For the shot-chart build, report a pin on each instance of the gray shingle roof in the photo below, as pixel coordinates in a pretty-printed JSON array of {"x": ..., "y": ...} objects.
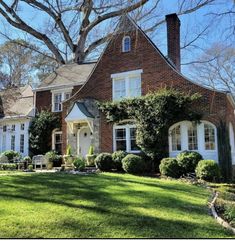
[
  {"x": 69, "y": 74},
  {"x": 16, "y": 101}
]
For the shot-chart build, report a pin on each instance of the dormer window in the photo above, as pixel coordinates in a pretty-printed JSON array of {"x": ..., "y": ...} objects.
[
  {"x": 58, "y": 97},
  {"x": 126, "y": 44}
]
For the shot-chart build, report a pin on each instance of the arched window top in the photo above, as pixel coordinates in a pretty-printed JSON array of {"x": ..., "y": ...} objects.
[{"x": 126, "y": 44}]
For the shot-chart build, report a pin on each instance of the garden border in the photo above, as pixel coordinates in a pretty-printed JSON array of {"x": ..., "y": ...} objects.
[{"x": 217, "y": 217}]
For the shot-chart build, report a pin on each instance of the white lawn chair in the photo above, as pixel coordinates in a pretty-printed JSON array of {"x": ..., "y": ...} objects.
[{"x": 39, "y": 160}]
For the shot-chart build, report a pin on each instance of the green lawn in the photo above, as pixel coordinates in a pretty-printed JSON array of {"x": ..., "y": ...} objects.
[{"x": 103, "y": 206}]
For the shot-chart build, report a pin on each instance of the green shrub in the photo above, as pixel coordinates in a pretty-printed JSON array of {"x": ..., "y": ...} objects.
[
  {"x": 30, "y": 167},
  {"x": 3, "y": 158},
  {"x": 229, "y": 212},
  {"x": 12, "y": 155},
  {"x": 104, "y": 161},
  {"x": 133, "y": 164},
  {"x": 79, "y": 164},
  {"x": 169, "y": 167},
  {"x": 8, "y": 166},
  {"x": 27, "y": 159},
  {"x": 208, "y": 170},
  {"x": 188, "y": 161},
  {"x": 117, "y": 157}
]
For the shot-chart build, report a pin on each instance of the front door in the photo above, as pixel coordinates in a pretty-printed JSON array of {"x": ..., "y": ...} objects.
[{"x": 84, "y": 141}]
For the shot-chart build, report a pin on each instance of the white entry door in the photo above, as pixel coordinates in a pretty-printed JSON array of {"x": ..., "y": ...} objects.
[{"x": 84, "y": 141}]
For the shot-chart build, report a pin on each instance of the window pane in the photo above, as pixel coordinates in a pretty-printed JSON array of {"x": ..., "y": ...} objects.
[
  {"x": 120, "y": 138},
  {"x": 119, "y": 89},
  {"x": 22, "y": 126},
  {"x": 57, "y": 102},
  {"x": 127, "y": 44},
  {"x": 13, "y": 142},
  {"x": 176, "y": 139},
  {"x": 22, "y": 143},
  {"x": 209, "y": 137},
  {"x": 4, "y": 128},
  {"x": 67, "y": 95},
  {"x": 13, "y": 127},
  {"x": 192, "y": 138},
  {"x": 134, "y": 146},
  {"x": 4, "y": 142},
  {"x": 135, "y": 86}
]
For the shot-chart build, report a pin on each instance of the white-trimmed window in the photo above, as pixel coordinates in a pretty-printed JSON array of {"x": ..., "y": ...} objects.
[
  {"x": 3, "y": 142},
  {"x": 22, "y": 143},
  {"x": 13, "y": 138},
  {"x": 125, "y": 138},
  {"x": 4, "y": 128},
  {"x": 57, "y": 141},
  {"x": 13, "y": 127},
  {"x": 176, "y": 138},
  {"x": 127, "y": 84},
  {"x": 209, "y": 133},
  {"x": 126, "y": 44},
  {"x": 58, "y": 97},
  {"x": 192, "y": 138},
  {"x": 22, "y": 126}
]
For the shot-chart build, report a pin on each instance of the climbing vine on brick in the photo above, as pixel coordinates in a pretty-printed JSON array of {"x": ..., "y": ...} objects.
[{"x": 153, "y": 114}]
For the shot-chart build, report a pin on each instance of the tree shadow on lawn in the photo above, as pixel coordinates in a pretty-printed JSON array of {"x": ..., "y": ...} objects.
[{"x": 114, "y": 212}]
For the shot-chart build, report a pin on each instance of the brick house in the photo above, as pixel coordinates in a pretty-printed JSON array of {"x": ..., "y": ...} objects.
[{"x": 131, "y": 65}]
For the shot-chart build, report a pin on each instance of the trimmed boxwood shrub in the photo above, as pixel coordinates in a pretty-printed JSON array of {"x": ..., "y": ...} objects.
[
  {"x": 208, "y": 170},
  {"x": 117, "y": 157},
  {"x": 188, "y": 161},
  {"x": 169, "y": 167},
  {"x": 104, "y": 161},
  {"x": 133, "y": 164},
  {"x": 11, "y": 155},
  {"x": 8, "y": 166},
  {"x": 79, "y": 164}
]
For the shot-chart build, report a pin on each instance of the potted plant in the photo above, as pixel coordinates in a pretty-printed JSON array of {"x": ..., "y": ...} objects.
[
  {"x": 90, "y": 157},
  {"x": 51, "y": 156},
  {"x": 68, "y": 158}
]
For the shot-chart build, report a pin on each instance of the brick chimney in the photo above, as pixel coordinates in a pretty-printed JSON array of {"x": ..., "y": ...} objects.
[{"x": 173, "y": 39}]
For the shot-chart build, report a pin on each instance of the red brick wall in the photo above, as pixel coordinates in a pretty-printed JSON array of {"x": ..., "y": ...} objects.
[{"x": 157, "y": 73}]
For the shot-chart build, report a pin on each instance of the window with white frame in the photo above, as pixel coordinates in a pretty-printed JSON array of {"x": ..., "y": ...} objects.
[
  {"x": 126, "y": 44},
  {"x": 3, "y": 142},
  {"x": 58, "y": 98},
  {"x": 125, "y": 138},
  {"x": 13, "y": 127},
  {"x": 4, "y": 128},
  {"x": 127, "y": 84},
  {"x": 176, "y": 138},
  {"x": 57, "y": 141},
  {"x": 22, "y": 126},
  {"x": 209, "y": 133},
  {"x": 22, "y": 143},
  {"x": 13, "y": 138},
  {"x": 192, "y": 138}
]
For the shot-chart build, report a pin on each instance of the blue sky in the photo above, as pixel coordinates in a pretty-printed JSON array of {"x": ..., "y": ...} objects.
[{"x": 191, "y": 24}]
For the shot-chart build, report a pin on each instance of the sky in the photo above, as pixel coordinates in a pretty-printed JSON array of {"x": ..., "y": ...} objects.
[{"x": 191, "y": 24}]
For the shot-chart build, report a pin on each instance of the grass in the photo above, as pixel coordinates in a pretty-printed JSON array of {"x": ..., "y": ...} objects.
[{"x": 103, "y": 206}]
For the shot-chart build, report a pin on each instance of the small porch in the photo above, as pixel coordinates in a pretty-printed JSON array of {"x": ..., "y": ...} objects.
[{"x": 82, "y": 128}]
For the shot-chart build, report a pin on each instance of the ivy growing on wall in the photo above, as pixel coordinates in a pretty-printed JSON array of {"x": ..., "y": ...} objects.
[
  {"x": 153, "y": 114},
  {"x": 40, "y": 132},
  {"x": 225, "y": 160}
]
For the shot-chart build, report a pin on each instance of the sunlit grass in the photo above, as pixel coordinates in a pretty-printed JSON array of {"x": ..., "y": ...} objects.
[{"x": 103, "y": 206}]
